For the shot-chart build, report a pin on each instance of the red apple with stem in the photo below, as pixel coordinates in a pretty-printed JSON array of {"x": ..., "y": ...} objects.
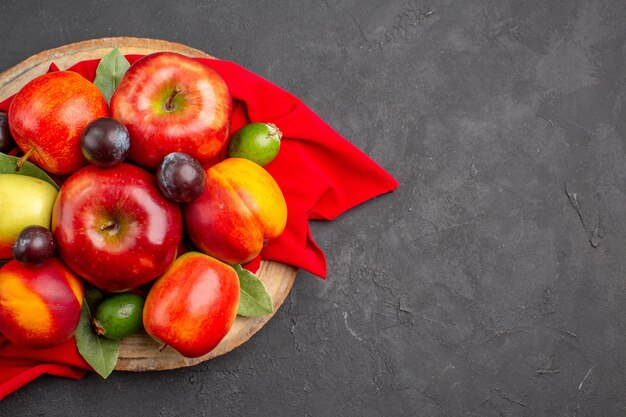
[
  {"x": 172, "y": 103},
  {"x": 47, "y": 116},
  {"x": 114, "y": 228}
]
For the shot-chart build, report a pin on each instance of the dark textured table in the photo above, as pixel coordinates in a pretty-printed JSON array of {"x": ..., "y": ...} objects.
[{"x": 492, "y": 282}]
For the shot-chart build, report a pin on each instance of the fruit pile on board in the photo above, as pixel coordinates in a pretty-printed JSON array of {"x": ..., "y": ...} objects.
[{"x": 157, "y": 208}]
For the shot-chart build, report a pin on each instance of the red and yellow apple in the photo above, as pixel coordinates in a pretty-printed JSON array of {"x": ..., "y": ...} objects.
[
  {"x": 39, "y": 306},
  {"x": 47, "y": 116},
  {"x": 24, "y": 201},
  {"x": 114, "y": 228},
  {"x": 193, "y": 305},
  {"x": 172, "y": 103},
  {"x": 240, "y": 209}
]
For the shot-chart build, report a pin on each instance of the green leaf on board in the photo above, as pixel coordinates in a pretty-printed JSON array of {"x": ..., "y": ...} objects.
[
  {"x": 254, "y": 300},
  {"x": 99, "y": 352},
  {"x": 8, "y": 165},
  {"x": 110, "y": 71},
  {"x": 93, "y": 296}
]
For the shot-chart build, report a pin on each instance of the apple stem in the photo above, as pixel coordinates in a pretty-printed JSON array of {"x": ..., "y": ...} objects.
[
  {"x": 23, "y": 159},
  {"x": 169, "y": 104},
  {"x": 110, "y": 225},
  {"x": 162, "y": 347}
]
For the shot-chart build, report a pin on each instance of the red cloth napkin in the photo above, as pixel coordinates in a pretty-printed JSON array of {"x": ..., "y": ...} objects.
[{"x": 320, "y": 173}]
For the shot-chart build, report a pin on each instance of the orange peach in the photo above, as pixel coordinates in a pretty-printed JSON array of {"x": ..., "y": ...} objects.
[
  {"x": 39, "y": 306},
  {"x": 241, "y": 208}
]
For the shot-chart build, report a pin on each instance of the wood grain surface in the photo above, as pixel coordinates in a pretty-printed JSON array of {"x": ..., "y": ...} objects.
[{"x": 140, "y": 352}]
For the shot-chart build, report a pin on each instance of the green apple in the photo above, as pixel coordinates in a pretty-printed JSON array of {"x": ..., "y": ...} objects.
[{"x": 24, "y": 201}]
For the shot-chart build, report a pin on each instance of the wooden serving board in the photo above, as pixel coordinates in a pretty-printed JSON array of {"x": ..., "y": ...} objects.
[{"x": 140, "y": 352}]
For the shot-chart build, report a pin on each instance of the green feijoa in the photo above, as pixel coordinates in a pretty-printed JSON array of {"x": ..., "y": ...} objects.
[
  {"x": 119, "y": 316},
  {"x": 258, "y": 142}
]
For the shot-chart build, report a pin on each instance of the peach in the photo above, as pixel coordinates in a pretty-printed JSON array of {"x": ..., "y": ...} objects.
[
  {"x": 241, "y": 208},
  {"x": 39, "y": 306},
  {"x": 193, "y": 305}
]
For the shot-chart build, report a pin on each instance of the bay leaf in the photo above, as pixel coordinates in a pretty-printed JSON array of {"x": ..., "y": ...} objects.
[
  {"x": 93, "y": 296},
  {"x": 254, "y": 300},
  {"x": 99, "y": 352},
  {"x": 8, "y": 165},
  {"x": 110, "y": 71}
]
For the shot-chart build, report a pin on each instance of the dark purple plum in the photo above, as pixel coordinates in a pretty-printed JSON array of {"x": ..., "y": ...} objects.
[
  {"x": 105, "y": 142},
  {"x": 6, "y": 139},
  {"x": 33, "y": 246},
  {"x": 180, "y": 177}
]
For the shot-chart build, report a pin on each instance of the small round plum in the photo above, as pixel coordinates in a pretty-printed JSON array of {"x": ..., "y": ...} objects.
[
  {"x": 105, "y": 142},
  {"x": 33, "y": 246},
  {"x": 180, "y": 177},
  {"x": 6, "y": 139}
]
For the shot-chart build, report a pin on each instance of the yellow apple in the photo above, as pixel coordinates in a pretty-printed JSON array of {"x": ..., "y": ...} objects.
[{"x": 24, "y": 201}]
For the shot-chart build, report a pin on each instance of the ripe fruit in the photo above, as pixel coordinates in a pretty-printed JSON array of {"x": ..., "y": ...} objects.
[
  {"x": 172, "y": 103},
  {"x": 39, "y": 306},
  {"x": 6, "y": 140},
  {"x": 180, "y": 177},
  {"x": 24, "y": 201},
  {"x": 105, "y": 142},
  {"x": 193, "y": 305},
  {"x": 241, "y": 207},
  {"x": 119, "y": 316},
  {"x": 47, "y": 116},
  {"x": 114, "y": 228},
  {"x": 33, "y": 246},
  {"x": 258, "y": 142}
]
